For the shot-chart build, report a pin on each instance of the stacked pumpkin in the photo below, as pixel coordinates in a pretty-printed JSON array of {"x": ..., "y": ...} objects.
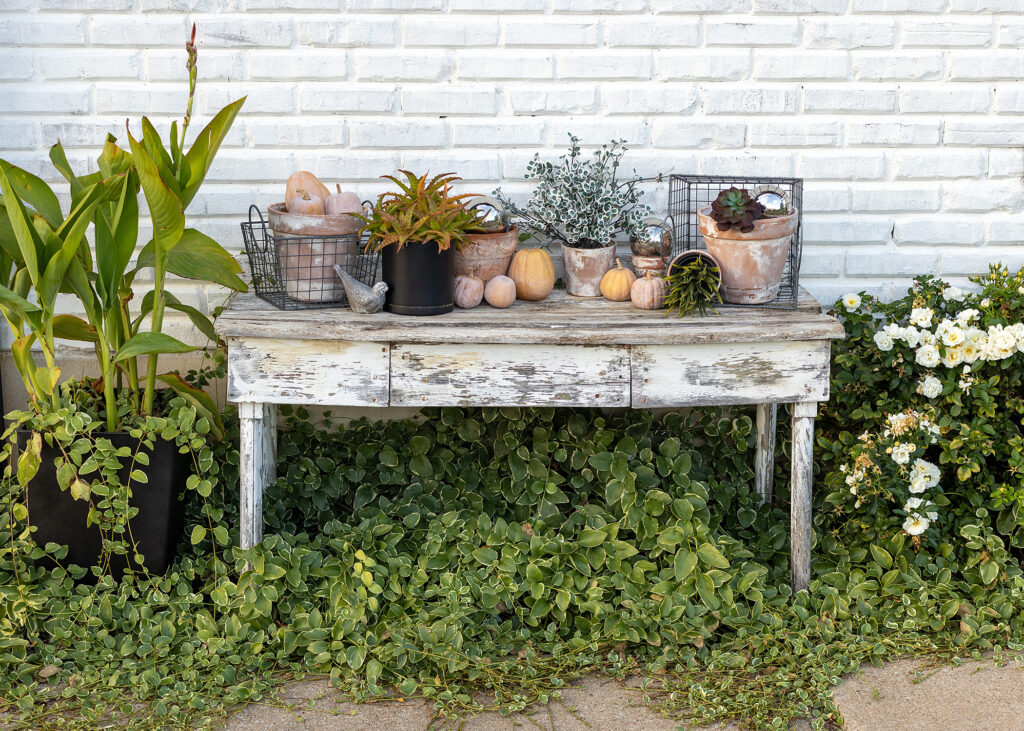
[
  {"x": 531, "y": 277},
  {"x": 305, "y": 195},
  {"x": 620, "y": 284}
]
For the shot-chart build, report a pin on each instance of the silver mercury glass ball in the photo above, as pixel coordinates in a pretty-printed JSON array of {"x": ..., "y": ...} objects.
[
  {"x": 655, "y": 238},
  {"x": 491, "y": 212}
]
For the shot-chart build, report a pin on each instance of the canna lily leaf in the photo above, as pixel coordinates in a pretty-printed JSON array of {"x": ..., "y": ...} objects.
[
  {"x": 197, "y": 256},
  {"x": 35, "y": 192},
  {"x": 200, "y": 155},
  {"x": 150, "y": 343},
  {"x": 69, "y": 327},
  {"x": 29, "y": 245},
  {"x": 164, "y": 207}
]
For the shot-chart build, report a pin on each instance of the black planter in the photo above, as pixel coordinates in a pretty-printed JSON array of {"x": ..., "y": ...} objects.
[
  {"x": 420, "y": 279},
  {"x": 61, "y": 519}
]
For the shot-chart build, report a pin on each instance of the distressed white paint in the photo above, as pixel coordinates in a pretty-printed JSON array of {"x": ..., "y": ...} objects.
[
  {"x": 731, "y": 373},
  {"x": 800, "y": 526},
  {"x": 509, "y": 375},
  {"x": 764, "y": 456},
  {"x": 257, "y": 466},
  {"x": 329, "y": 373}
]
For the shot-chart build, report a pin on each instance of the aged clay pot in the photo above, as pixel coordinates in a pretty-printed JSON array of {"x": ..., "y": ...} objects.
[
  {"x": 297, "y": 224},
  {"x": 653, "y": 264},
  {"x": 752, "y": 263},
  {"x": 686, "y": 257},
  {"x": 487, "y": 255},
  {"x": 307, "y": 264},
  {"x": 585, "y": 267}
]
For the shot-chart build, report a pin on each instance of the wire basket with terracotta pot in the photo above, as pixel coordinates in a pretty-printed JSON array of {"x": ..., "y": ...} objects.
[
  {"x": 761, "y": 267},
  {"x": 292, "y": 262}
]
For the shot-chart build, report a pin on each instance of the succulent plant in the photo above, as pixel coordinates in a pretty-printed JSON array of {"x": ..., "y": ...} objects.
[
  {"x": 734, "y": 208},
  {"x": 693, "y": 287},
  {"x": 424, "y": 211}
]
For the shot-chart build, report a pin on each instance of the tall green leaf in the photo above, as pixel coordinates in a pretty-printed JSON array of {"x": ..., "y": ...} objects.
[
  {"x": 150, "y": 343},
  {"x": 35, "y": 192},
  {"x": 164, "y": 207},
  {"x": 200, "y": 155},
  {"x": 29, "y": 245},
  {"x": 117, "y": 231},
  {"x": 197, "y": 256}
]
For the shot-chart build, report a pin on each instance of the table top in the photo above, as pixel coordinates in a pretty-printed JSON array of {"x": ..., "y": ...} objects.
[{"x": 559, "y": 319}]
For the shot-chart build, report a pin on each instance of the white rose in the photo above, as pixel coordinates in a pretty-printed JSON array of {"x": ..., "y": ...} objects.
[
  {"x": 970, "y": 352},
  {"x": 915, "y": 524},
  {"x": 921, "y": 316},
  {"x": 954, "y": 294},
  {"x": 913, "y": 503},
  {"x": 901, "y": 452},
  {"x": 926, "y": 470},
  {"x": 927, "y": 355},
  {"x": 917, "y": 485},
  {"x": 953, "y": 357},
  {"x": 986, "y": 302},
  {"x": 930, "y": 387},
  {"x": 953, "y": 336},
  {"x": 966, "y": 316},
  {"x": 883, "y": 341},
  {"x": 928, "y": 338},
  {"x": 912, "y": 336},
  {"x": 851, "y": 301}
]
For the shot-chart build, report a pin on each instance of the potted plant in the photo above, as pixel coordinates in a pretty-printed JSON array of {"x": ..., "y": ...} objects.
[
  {"x": 693, "y": 283},
  {"x": 751, "y": 243},
  {"x": 417, "y": 230},
  {"x": 104, "y": 459},
  {"x": 490, "y": 245},
  {"x": 582, "y": 204}
]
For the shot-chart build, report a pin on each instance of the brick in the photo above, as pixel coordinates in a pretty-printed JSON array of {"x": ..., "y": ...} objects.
[
  {"x": 245, "y": 31},
  {"x": 604, "y": 65},
  {"x": 91, "y": 6},
  {"x": 298, "y": 64},
  {"x": 744, "y": 163},
  {"x": 648, "y": 100},
  {"x": 982, "y": 195},
  {"x": 701, "y": 6},
  {"x": 932, "y": 99},
  {"x": 702, "y": 135},
  {"x": 897, "y": 66},
  {"x": 594, "y": 133},
  {"x": 925, "y": 165},
  {"x": 752, "y": 32},
  {"x": 851, "y": 165},
  {"x": 849, "y": 33},
  {"x": 294, "y": 5},
  {"x": 503, "y": 64},
  {"x": 554, "y": 100},
  {"x": 86, "y": 64},
  {"x": 794, "y": 133},
  {"x": 856, "y": 228},
  {"x": 250, "y": 166},
  {"x": 821, "y": 262},
  {"x": 724, "y": 100},
  {"x": 550, "y": 33},
  {"x": 996, "y": 65},
  {"x": 968, "y": 262},
  {"x": 893, "y": 134},
  {"x": 298, "y": 134},
  {"x": 352, "y": 165},
  {"x": 469, "y": 165},
  {"x": 938, "y": 229},
  {"x": 86, "y": 132},
  {"x": 654, "y": 32},
  {"x": 498, "y": 133},
  {"x": 876, "y": 199},
  {"x": 398, "y": 133},
  {"x": 1010, "y": 99},
  {"x": 35, "y": 30},
  {"x": 800, "y": 7},
  {"x": 264, "y": 99},
  {"x": 947, "y": 33},
  {"x": 347, "y": 99},
  {"x": 423, "y": 31},
  {"x": 18, "y": 134},
  {"x": 1007, "y": 231},
  {"x": 394, "y": 6},
  {"x": 392, "y": 66},
  {"x": 214, "y": 65},
  {"x": 984, "y": 133},
  {"x": 599, "y": 6},
  {"x": 703, "y": 65},
  {"x": 892, "y": 261},
  {"x": 897, "y": 6},
  {"x": 449, "y": 100},
  {"x": 1005, "y": 163},
  {"x": 504, "y": 6},
  {"x": 17, "y": 64},
  {"x": 140, "y": 31},
  {"x": 1011, "y": 32},
  {"x": 826, "y": 198},
  {"x": 787, "y": 66},
  {"x": 49, "y": 99},
  {"x": 854, "y": 101},
  {"x": 353, "y": 32},
  {"x": 985, "y": 6}
]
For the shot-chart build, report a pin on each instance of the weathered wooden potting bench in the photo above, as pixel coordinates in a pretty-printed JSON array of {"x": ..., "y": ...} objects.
[{"x": 563, "y": 351}]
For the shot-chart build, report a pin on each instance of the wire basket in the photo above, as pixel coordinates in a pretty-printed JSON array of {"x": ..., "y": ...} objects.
[
  {"x": 687, "y": 194},
  {"x": 297, "y": 272}
]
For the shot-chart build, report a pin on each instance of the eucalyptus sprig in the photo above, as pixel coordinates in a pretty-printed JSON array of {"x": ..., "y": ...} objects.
[{"x": 693, "y": 287}]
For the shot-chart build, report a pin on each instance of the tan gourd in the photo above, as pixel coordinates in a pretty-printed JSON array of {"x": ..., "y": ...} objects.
[
  {"x": 305, "y": 204},
  {"x": 469, "y": 291},
  {"x": 648, "y": 293},
  {"x": 616, "y": 283},
  {"x": 533, "y": 273},
  {"x": 500, "y": 292},
  {"x": 308, "y": 182},
  {"x": 342, "y": 203}
]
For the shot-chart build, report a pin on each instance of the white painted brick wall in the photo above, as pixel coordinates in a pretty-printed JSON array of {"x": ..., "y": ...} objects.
[{"x": 905, "y": 117}]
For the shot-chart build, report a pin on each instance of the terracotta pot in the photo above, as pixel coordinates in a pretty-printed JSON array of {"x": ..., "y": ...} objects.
[
  {"x": 585, "y": 267},
  {"x": 307, "y": 265},
  {"x": 488, "y": 256},
  {"x": 752, "y": 263},
  {"x": 653, "y": 264},
  {"x": 296, "y": 224}
]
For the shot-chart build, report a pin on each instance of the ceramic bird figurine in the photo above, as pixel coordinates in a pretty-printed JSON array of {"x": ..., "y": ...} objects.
[{"x": 362, "y": 299}]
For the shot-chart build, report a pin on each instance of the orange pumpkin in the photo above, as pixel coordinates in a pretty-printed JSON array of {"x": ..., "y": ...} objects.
[
  {"x": 308, "y": 182},
  {"x": 648, "y": 293},
  {"x": 305, "y": 204},
  {"x": 616, "y": 283},
  {"x": 533, "y": 273},
  {"x": 500, "y": 292}
]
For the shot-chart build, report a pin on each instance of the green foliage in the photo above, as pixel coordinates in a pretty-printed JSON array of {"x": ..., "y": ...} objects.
[
  {"x": 734, "y": 208},
  {"x": 425, "y": 211},
  {"x": 579, "y": 202},
  {"x": 693, "y": 287}
]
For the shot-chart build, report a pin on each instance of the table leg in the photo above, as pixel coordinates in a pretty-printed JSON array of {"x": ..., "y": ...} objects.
[
  {"x": 764, "y": 459},
  {"x": 800, "y": 494},
  {"x": 257, "y": 466}
]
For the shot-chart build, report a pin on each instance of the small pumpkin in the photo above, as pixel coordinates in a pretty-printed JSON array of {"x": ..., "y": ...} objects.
[
  {"x": 305, "y": 204},
  {"x": 469, "y": 291},
  {"x": 533, "y": 273},
  {"x": 648, "y": 293},
  {"x": 342, "y": 203},
  {"x": 303, "y": 180},
  {"x": 616, "y": 283},
  {"x": 500, "y": 292}
]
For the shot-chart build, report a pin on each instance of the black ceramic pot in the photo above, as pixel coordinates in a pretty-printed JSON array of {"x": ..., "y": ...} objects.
[
  {"x": 156, "y": 528},
  {"x": 421, "y": 280}
]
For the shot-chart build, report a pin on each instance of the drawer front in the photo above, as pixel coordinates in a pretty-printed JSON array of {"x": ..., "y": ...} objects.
[{"x": 509, "y": 375}]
